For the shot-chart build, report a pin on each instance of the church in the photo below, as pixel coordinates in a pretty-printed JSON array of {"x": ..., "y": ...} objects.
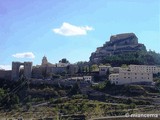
[{"x": 47, "y": 69}]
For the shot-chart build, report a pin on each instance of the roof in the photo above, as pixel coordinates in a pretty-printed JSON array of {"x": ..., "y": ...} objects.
[{"x": 115, "y": 74}]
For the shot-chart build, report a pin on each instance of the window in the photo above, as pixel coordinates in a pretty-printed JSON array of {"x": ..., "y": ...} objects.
[{"x": 102, "y": 69}]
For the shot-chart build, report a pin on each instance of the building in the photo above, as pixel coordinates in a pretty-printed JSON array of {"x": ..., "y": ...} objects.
[
  {"x": 72, "y": 69},
  {"x": 46, "y": 69},
  {"x": 87, "y": 78},
  {"x": 27, "y": 73},
  {"x": 44, "y": 61},
  {"x": 103, "y": 70},
  {"x": 127, "y": 77},
  {"x": 145, "y": 68},
  {"x": 115, "y": 69},
  {"x": 37, "y": 71},
  {"x": 134, "y": 74},
  {"x": 82, "y": 79},
  {"x": 114, "y": 78}
]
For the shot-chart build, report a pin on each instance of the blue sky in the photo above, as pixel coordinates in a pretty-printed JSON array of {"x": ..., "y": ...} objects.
[{"x": 72, "y": 29}]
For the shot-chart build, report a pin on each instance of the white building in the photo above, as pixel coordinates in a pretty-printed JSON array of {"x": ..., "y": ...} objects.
[
  {"x": 144, "y": 68},
  {"x": 87, "y": 78},
  {"x": 81, "y": 79},
  {"x": 127, "y": 77},
  {"x": 114, "y": 78},
  {"x": 134, "y": 74}
]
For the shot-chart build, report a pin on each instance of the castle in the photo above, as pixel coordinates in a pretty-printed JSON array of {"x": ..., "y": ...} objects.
[
  {"x": 43, "y": 71},
  {"x": 120, "y": 43}
]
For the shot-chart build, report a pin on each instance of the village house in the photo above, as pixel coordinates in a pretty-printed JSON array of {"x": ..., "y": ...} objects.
[
  {"x": 134, "y": 74},
  {"x": 103, "y": 69}
]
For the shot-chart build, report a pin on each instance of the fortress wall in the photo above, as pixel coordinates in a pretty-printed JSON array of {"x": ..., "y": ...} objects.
[{"x": 5, "y": 74}]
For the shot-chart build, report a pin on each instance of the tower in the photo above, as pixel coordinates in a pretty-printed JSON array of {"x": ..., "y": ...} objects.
[
  {"x": 27, "y": 69},
  {"x": 44, "y": 61},
  {"x": 16, "y": 69}
]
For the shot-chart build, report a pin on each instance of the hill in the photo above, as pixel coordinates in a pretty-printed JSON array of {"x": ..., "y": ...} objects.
[{"x": 124, "y": 49}]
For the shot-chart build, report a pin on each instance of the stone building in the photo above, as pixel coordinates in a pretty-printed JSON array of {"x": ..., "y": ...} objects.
[
  {"x": 44, "y": 61},
  {"x": 46, "y": 69},
  {"x": 37, "y": 72},
  {"x": 5, "y": 74},
  {"x": 103, "y": 69},
  {"x": 16, "y": 70},
  {"x": 120, "y": 43}
]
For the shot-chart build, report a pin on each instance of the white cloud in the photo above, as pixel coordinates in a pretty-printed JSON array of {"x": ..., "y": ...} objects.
[
  {"x": 5, "y": 67},
  {"x": 71, "y": 30},
  {"x": 24, "y": 55}
]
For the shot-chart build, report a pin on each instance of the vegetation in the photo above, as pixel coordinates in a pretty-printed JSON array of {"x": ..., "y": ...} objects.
[
  {"x": 51, "y": 100},
  {"x": 141, "y": 57},
  {"x": 126, "y": 90}
]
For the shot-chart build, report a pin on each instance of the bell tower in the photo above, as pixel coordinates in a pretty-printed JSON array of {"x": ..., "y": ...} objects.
[{"x": 44, "y": 61}]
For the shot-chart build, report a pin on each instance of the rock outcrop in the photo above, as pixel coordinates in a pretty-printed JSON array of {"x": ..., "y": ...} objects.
[{"x": 118, "y": 44}]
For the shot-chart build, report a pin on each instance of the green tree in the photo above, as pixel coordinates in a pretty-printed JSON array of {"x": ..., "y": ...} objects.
[
  {"x": 28, "y": 106},
  {"x": 75, "y": 89},
  {"x": 124, "y": 66},
  {"x": 2, "y": 94},
  {"x": 94, "y": 67}
]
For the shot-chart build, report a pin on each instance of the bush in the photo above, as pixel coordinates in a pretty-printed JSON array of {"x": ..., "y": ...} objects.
[
  {"x": 28, "y": 106},
  {"x": 78, "y": 96},
  {"x": 132, "y": 105}
]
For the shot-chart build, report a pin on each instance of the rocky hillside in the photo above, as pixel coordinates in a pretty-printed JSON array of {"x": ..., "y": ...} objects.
[{"x": 118, "y": 44}]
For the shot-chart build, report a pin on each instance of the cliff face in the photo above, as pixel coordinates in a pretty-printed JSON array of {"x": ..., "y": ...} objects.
[{"x": 118, "y": 44}]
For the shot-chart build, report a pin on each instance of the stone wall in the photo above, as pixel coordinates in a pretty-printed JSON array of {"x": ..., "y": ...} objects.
[
  {"x": 5, "y": 74},
  {"x": 16, "y": 70}
]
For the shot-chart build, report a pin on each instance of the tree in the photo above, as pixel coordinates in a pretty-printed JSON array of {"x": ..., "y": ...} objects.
[
  {"x": 64, "y": 60},
  {"x": 124, "y": 66},
  {"x": 140, "y": 57},
  {"x": 11, "y": 100},
  {"x": 28, "y": 106},
  {"x": 94, "y": 67},
  {"x": 75, "y": 89},
  {"x": 2, "y": 93}
]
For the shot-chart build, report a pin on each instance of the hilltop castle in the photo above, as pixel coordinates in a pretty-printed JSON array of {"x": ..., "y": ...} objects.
[{"x": 120, "y": 43}]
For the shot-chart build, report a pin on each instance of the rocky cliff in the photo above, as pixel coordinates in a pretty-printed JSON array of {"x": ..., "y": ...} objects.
[{"x": 118, "y": 44}]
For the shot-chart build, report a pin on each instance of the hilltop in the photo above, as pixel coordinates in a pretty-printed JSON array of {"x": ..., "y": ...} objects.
[{"x": 124, "y": 49}]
